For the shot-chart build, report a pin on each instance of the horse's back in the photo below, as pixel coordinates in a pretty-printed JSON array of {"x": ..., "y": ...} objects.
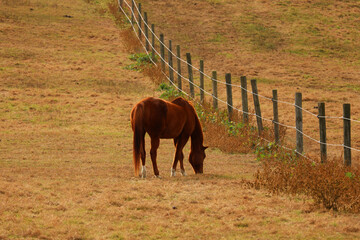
[
  {"x": 164, "y": 119},
  {"x": 190, "y": 114},
  {"x": 187, "y": 106},
  {"x": 181, "y": 102}
]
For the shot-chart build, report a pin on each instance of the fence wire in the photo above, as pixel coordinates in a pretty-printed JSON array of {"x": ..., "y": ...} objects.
[
  {"x": 221, "y": 82},
  {"x": 206, "y": 75}
]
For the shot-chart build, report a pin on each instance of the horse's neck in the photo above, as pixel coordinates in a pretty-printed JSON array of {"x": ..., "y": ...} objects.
[{"x": 197, "y": 137}]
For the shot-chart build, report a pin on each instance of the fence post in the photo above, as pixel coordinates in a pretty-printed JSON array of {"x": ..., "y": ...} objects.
[
  {"x": 244, "y": 98},
  {"x": 299, "y": 123},
  {"x": 347, "y": 134},
  {"x": 257, "y": 106},
  {"x": 162, "y": 52},
  {"x": 153, "y": 41},
  {"x": 322, "y": 130},
  {"x": 214, "y": 86},
  {"x": 132, "y": 12},
  {"x": 201, "y": 81},
  {"x": 229, "y": 95},
  {"x": 191, "y": 85},
  {"x": 178, "y": 67},
  {"x": 171, "y": 72},
  {"x": 276, "y": 116},
  {"x": 139, "y": 20},
  {"x": 147, "y": 45}
]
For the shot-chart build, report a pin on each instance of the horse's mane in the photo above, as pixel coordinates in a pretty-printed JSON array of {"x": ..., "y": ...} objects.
[{"x": 197, "y": 134}]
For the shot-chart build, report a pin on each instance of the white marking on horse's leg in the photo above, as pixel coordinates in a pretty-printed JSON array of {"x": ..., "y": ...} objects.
[
  {"x": 158, "y": 176},
  {"x": 183, "y": 172},
  {"x": 172, "y": 174},
  {"x": 143, "y": 172}
]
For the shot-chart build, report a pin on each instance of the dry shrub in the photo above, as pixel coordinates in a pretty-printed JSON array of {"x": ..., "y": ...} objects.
[
  {"x": 114, "y": 10},
  {"x": 131, "y": 43},
  {"x": 155, "y": 74},
  {"x": 330, "y": 184},
  {"x": 229, "y": 136},
  {"x": 217, "y": 136},
  {"x": 234, "y": 136}
]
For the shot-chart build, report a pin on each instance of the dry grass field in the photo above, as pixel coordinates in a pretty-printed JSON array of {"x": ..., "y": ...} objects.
[
  {"x": 310, "y": 47},
  {"x": 66, "y": 146}
]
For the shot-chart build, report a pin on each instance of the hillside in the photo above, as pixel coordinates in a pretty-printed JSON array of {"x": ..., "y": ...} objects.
[
  {"x": 66, "y": 146},
  {"x": 310, "y": 47}
]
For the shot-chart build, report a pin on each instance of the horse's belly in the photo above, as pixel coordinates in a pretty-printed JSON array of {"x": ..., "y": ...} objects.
[{"x": 170, "y": 134}]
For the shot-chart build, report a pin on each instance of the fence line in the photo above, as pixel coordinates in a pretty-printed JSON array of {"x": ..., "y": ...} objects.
[
  {"x": 225, "y": 83},
  {"x": 206, "y": 75}
]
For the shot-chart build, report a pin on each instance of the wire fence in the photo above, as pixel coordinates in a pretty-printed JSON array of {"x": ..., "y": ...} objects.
[{"x": 137, "y": 19}]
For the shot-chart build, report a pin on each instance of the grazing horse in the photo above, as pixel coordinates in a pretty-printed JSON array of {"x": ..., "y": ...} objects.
[{"x": 163, "y": 119}]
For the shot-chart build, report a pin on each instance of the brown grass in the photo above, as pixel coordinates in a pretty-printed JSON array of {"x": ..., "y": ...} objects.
[
  {"x": 66, "y": 147},
  {"x": 131, "y": 42},
  {"x": 155, "y": 74},
  {"x": 331, "y": 184},
  {"x": 293, "y": 46}
]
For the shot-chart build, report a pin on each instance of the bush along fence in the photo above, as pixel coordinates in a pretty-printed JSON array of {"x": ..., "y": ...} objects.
[{"x": 139, "y": 23}]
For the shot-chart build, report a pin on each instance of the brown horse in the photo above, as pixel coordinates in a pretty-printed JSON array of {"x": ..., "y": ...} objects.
[{"x": 163, "y": 119}]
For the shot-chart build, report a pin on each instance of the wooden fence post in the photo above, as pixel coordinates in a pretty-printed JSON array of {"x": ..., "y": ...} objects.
[
  {"x": 153, "y": 42},
  {"x": 214, "y": 87},
  {"x": 139, "y": 20},
  {"x": 347, "y": 134},
  {"x": 229, "y": 95},
  {"x": 322, "y": 130},
  {"x": 299, "y": 123},
  {"x": 244, "y": 97},
  {"x": 178, "y": 67},
  {"x": 191, "y": 81},
  {"x": 276, "y": 116},
  {"x": 257, "y": 106},
  {"x": 171, "y": 72},
  {"x": 132, "y": 12},
  {"x": 201, "y": 81},
  {"x": 162, "y": 52},
  {"x": 147, "y": 45}
]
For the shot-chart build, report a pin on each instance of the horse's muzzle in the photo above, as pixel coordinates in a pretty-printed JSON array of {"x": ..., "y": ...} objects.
[{"x": 200, "y": 171}]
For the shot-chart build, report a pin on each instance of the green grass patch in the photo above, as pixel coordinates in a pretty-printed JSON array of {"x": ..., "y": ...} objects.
[
  {"x": 217, "y": 38},
  {"x": 265, "y": 80},
  {"x": 259, "y": 35},
  {"x": 141, "y": 61}
]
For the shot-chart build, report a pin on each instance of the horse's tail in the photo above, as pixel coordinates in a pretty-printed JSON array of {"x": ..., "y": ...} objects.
[{"x": 138, "y": 140}]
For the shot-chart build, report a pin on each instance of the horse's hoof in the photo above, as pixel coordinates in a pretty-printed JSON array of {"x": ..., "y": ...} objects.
[
  {"x": 143, "y": 172},
  {"x": 158, "y": 176},
  {"x": 183, "y": 173},
  {"x": 173, "y": 173}
]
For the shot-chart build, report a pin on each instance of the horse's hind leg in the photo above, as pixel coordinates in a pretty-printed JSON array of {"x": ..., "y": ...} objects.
[
  {"x": 153, "y": 153},
  {"x": 143, "y": 157}
]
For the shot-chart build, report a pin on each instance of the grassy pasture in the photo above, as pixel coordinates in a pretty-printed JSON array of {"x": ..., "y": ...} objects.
[
  {"x": 293, "y": 46},
  {"x": 66, "y": 146}
]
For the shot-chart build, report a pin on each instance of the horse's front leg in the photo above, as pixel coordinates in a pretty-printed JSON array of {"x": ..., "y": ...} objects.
[
  {"x": 155, "y": 142},
  {"x": 182, "y": 165},
  {"x": 179, "y": 156}
]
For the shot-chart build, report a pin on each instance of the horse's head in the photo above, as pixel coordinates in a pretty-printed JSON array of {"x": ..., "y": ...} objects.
[{"x": 196, "y": 159}]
